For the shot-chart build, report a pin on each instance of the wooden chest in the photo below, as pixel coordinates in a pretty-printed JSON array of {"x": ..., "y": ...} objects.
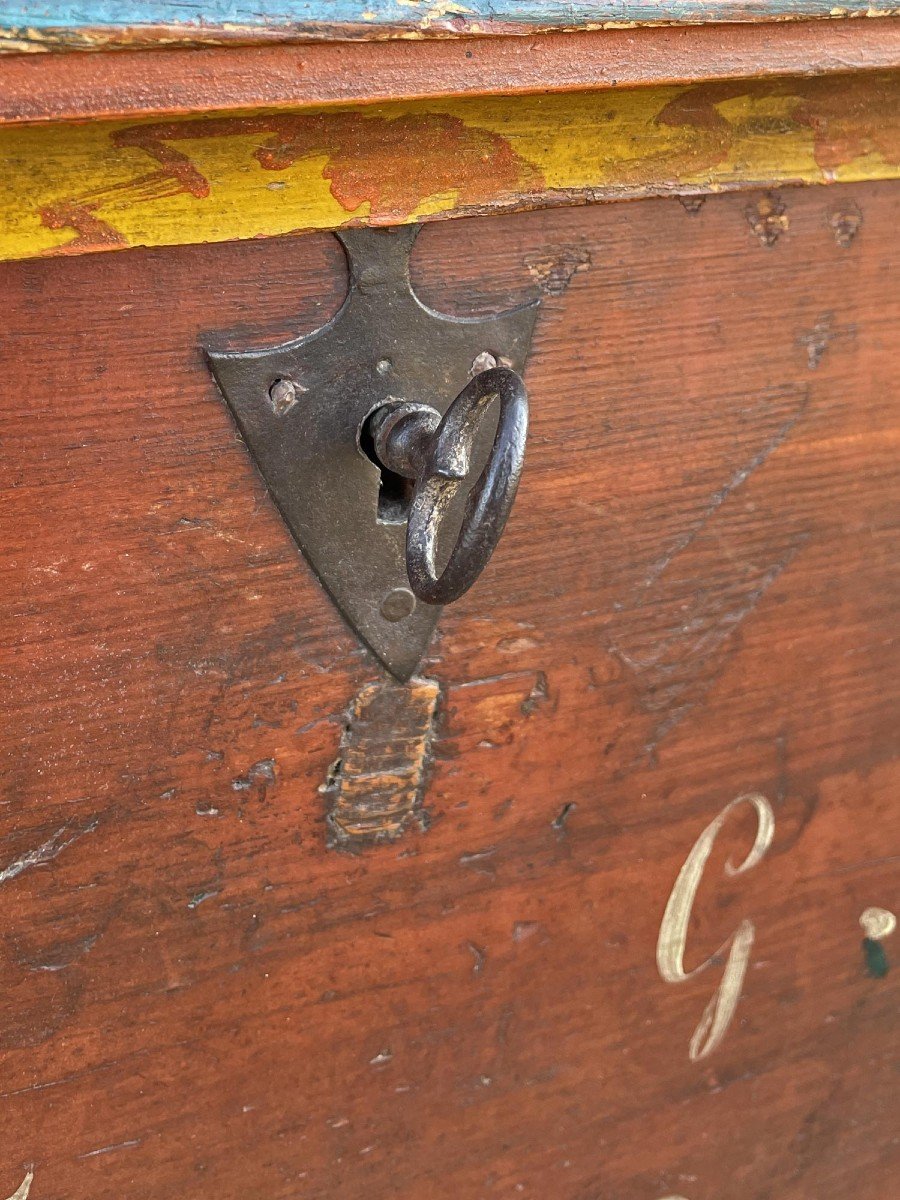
[{"x": 595, "y": 900}]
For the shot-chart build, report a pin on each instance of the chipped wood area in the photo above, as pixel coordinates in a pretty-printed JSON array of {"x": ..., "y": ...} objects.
[
  {"x": 375, "y": 787},
  {"x": 71, "y": 189}
]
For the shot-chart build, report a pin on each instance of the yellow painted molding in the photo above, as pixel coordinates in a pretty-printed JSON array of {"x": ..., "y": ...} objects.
[{"x": 111, "y": 185}]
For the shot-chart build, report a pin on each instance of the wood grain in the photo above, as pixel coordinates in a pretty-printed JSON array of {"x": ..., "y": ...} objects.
[
  {"x": 695, "y": 599},
  {"x": 104, "y": 186},
  {"x": 178, "y": 82}
]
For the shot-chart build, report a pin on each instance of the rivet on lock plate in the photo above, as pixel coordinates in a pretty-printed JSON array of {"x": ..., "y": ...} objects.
[{"x": 369, "y": 434}]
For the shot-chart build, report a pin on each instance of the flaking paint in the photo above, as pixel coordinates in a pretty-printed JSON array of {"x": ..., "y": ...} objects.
[
  {"x": 106, "y": 20},
  {"x": 111, "y": 185}
]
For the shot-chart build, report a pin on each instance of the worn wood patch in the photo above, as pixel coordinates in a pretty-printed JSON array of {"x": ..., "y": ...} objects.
[
  {"x": 61, "y": 24},
  {"x": 375, "y": 787},
  {"x": 107, "y": 186}
]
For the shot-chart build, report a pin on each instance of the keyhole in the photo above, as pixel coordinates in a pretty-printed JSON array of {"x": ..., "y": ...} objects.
[{"x": 394, "y": 492}]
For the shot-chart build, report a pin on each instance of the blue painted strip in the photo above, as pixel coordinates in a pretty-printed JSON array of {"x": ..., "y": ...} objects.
[{"x": 124, "y": 14}]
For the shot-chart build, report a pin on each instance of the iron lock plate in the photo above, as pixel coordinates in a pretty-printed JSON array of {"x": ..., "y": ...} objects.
[{"x": 301, "y": 409}]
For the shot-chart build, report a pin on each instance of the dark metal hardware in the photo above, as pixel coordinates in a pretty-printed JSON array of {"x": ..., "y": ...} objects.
[
  {"x": 370, "y": 460},
  {"x": 414, "y": 441}
]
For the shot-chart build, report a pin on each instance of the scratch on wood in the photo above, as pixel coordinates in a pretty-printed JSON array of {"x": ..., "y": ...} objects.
[
  {"x": 375, "y": 788},
  {"x": 111, "y": 1149},
  {"x": 62, "y": 955},
  {"x": 477, "y": 856},
  {"x": 740, "y": 476},
  {"x": 720, "y": 625},
  {"x": 48, "y": 850},
  {"x": 675, "y": 647}
]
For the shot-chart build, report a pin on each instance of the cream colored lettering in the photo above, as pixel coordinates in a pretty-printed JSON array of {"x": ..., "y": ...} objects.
[
  {"x": 21, "y": 1192},
  {"x": 670, "y": 947}
]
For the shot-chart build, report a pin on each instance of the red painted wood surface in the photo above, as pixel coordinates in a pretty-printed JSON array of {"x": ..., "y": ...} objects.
[
  {"x": 173, "y": 82},
  {"x": 696, "y": 599}
]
